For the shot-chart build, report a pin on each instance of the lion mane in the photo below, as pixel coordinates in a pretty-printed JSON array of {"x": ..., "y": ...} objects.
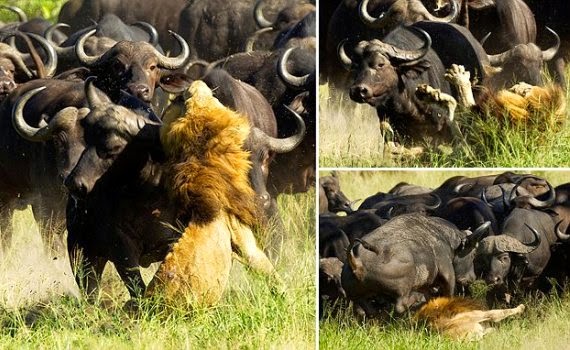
[{"x": 208, "y": 166}]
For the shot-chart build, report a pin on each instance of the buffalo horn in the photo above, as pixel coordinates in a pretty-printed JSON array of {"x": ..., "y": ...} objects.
[
  {"x": 344, "y": 59},
  {"x": 281, "y": 145},
  {"x": 88, "y": 61},
  {"x": 174, "y": 62},
  {"x": 563, "y": 236},
  {"x": 92, "y": 95},
  {"x": 476, "y": 235},
  {"x": 368, "y": 20},
  {"x": 150, "y": 29},
  {"x": 288, "y": 78},
  {"x": 64, "y": 119},
  {"x": 411, "y": 56},
  {"x": 17, "y": 58},
  {"x": 21, "y": 14},
  {"x": 549, "y": 54},
  {"x": 436, "y": 204},
  {"x": 260, "y": 19},
  {"x": 453, "y": 12},
  {"x": 253, "y": 38},
  {"x": 51, "y": 60}
]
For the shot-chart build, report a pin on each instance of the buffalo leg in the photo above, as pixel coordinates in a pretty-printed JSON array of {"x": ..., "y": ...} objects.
[
  {"x": 132, "y": 278},
  {"x": 87, "y": 271},
  {"x": 51, "y": 223}
]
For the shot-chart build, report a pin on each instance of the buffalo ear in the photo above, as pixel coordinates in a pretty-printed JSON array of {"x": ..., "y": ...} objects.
[
  {"x": 175, "y": 83},
  {"x": 412, "y": 70}
]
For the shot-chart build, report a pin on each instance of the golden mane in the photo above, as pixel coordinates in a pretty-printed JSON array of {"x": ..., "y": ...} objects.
[{"x": 208, "y": 167}]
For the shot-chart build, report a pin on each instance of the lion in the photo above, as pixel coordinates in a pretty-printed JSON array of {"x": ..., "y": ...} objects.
[
  {"x": 207, "y": 179},
  {"x": 462, "y": 318}
]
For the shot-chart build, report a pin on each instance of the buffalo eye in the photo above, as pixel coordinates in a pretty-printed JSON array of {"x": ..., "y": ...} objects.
[{"x": 152, "y": 67}]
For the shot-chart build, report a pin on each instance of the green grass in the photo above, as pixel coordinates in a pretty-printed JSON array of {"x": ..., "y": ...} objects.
[
  {"x": 39, "y": 310},
  {"x": 544, "y": 325},
  {"x": 350, "y": 136},
  {"x": 48, "y": 9}
]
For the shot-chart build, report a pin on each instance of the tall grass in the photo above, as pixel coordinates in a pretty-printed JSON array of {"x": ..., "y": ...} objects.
[
  {"x": 39, "y": 307},
  {"x": 350, "y": 136},
  {"x": 544, "y": 324}
]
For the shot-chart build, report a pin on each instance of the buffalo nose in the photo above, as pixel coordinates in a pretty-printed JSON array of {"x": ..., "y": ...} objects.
[
  {"x": 265, "y": 200},
  {"x": 141, "y": 91},
  {"x": 360, "y": 92},
  {"x": 494, "y": 280},
  {"x": 76, "y": 188}
]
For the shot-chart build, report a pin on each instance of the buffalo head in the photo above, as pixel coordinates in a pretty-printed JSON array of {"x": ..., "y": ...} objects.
[
  {"x": 335, "y": 198},
  {"x": 378, "y": 67},
  {"x": 63, "y": 130},
  {"x": 108, "y": 131},
  {"x": 13, "y": 68},
  {"x": 522, "y": 63},
  {"x": 133, "y": 66},
  {"x": 498, "y": 252}
]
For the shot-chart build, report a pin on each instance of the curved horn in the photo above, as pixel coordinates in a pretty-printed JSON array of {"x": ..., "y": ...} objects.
[
  {"x": 437, "y": 202},
  {"x": 412, "y": 55},
  {"x": 260, "y": 19},
  {"x": 499, "y": 59},
  {"x": 561, "y": 235},
  {"x": 288, "y": 78},
  {"x": 344, "y": 59},
  {"x": 93, "y": 98},
  {"x": 484, "y": 198},
  {"x": 453, "y": 12},
  {"x": 150, "y": 29},
  {"x": 389, "y": 212},
  {"x": 174, "y": 62},
  {"x": 484, "y": 39},
  {"x": 534, "y": 244},
  {"x": 253, "y": 38},
  {"x": 67, "y": 51},
  {"x": 25, "y": 130},
  {"x": 368, "y": 20},
  {"x": 88, "y": 61},
  {"x": 51, "y": 61},
  {"x": 21, "y": 14},
  {"x": 281, "y": 145},
  {"x": 459, "y": 187},
  {"x": 549, "y": 54},
  {"x": 536, "y": 203},
  {"x": 504, "y": 243},
  {"x": 477, "y": 235},
  {"x": 64, "y": 119},
  {"x": 17, "y": 57}
]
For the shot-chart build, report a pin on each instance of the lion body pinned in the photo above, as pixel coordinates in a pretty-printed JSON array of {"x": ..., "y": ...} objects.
[
  {"x": 207, "y": 178},
  {"x": 522, "y": 102},
  {"x": 462, "y": 318}
]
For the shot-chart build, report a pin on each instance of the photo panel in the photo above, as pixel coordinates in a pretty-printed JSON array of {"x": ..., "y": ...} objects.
[
  {"x": 424, "y": 259},
  {"x": 445, "y": 83}
]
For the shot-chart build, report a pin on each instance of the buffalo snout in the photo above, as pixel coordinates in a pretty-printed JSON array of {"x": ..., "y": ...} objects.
[
  {"x": 141, "y": 91},
  {"x": 264, "y": 200},
  {"x": 360, "y": 92},
  {"x": 76, "y": 187}
]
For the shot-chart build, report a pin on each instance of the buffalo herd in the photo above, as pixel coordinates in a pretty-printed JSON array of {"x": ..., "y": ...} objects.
[
  {"x": 402, "y": 248},
  {"x": 82, "y": 101},
  {"x": 385, "y": 52}
]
